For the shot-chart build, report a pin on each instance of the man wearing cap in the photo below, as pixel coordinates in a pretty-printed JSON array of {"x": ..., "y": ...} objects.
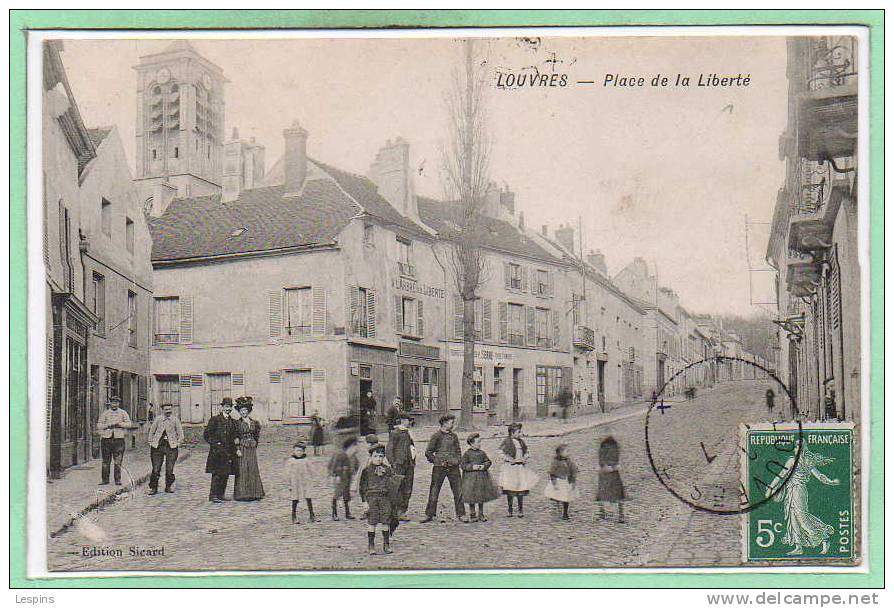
[
  {"x": 112, "y": 426},
  {"x": 443, "y": 452},
  {"x": 165, "y": 435},
  {"x": 401, "y": 454},
  {"x": 393, "y": 415},
  {"x": 222, "y": 462}
]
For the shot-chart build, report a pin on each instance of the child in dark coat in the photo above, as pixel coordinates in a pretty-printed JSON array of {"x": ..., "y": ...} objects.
[
  {"x": 611, "y": 488},
  {"x": 478, "y": 486},
  {"x": 342, "y": 467},
  {"x": 378, "y": 484}
]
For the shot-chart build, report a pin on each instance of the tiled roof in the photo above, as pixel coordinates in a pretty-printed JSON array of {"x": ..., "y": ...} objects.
[
  {"x": 261, "y": 219},
  {"x": 498, "y": 234}
]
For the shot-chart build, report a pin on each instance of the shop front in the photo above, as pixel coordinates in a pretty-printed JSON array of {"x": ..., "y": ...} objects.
[
  {"x": 372, "y": 370},
  {"x": 422, "y": 381}
]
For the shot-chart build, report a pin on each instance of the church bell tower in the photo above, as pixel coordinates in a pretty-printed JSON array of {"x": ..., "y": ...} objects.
[{"x": 179, "y": 126}]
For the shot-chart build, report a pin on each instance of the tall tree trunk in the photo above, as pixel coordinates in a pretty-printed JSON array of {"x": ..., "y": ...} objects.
[{"x": 468, "y": 396}]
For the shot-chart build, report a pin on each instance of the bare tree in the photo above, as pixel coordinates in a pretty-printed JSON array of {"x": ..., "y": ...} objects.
[{"x": 465, "y": 177}]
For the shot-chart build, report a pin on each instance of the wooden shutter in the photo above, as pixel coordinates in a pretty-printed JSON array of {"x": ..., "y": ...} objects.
[
  {"x": 534, "y": 283},
  {"x": 486, "y": 321},
  {"x": 556, "y": 338},
  {"x": 371, "y": 313},
  {"x": 523, "y": 271},
  {"x": 319, "y": 310},
  {"x": 353, "y": 301},
  {"x": 420, "y": 323},
  {"x": 142, "y": 398},
  {"x": 318, "y": 390},
  {"x": 274, "y": 396},
  {"x": 458, "y": 317},
  {"x": 507, "y": 280},
  {"x": 550, "y": 282},
  {"x": 50, "y": 363},
  {"x": 531, "y": 328},
  {"x": 398, "y": 314},
  {"x": 186, "y": 321},
  {"x": 503, "y": 315},
  {"x": 274, "y": 310}
]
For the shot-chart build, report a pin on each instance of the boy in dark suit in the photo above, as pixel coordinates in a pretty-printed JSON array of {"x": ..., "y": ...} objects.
[{"x": 378, "y": 487}]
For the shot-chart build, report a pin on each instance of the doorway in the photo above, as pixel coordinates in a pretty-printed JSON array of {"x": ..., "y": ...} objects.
[
  {"x": 516, "y": 392},
  {"x": 600, "y": 384}
]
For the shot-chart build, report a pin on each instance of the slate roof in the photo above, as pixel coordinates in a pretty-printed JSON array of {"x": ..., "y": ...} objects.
[{"x": 499, "y": 234}]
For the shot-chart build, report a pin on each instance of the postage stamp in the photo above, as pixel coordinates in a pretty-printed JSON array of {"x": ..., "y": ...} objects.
[{"x": 810, "y": 514}]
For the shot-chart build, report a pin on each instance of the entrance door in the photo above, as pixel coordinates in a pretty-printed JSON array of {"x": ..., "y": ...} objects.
[
  {"x": 516, "y": 391},
  {"x": 660, "y": 379},
  {"x": 298, "y": 393},
  {"x": 600, "y": 384},
  {"x": 366, "y": 386}
]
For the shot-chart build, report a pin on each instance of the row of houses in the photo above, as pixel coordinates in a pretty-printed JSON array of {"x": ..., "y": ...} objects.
[{"x": 205, "y": 275}]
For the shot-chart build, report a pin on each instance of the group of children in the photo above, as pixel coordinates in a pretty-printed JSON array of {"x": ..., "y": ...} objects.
[{"x": 379, "y": 486}]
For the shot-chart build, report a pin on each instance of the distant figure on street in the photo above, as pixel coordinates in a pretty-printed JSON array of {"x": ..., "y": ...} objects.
[
  {"x": 830, "y": 407},
  {"x": 165, "y": 436},
  {"x": 444, "y": 453},
  {"x": 248, "y": 485},
  {"x": 401, "y": 455},
  {"x": 478, "y": 487},
  {"x": 302, "y": 482},
  {"x": 342, "y": 467},
  {"x": 317, "y": 436},
  {"x": 562, "y": 484},
  {"x": 771, "y": 400},
  {"x": 113, "y": 425},
  {"x": 392, "y": 416},
  {"x": 516, "y": 479},
  {"x": 610, "y": 488},
  {"x": 366, "y": 414},
  {"x": 221, "y": 437}
]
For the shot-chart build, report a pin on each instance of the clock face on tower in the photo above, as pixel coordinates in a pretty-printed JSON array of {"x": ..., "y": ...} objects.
[
  {"x": 163, "y": 75},
  {"x": 206, "y": 80}
]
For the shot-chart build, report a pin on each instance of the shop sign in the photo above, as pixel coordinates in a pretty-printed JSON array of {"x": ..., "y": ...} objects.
[
  {"x": 416, "y": 287},
  {"x": 484, "y": 355},
  {"x": 412, "y": 349}
]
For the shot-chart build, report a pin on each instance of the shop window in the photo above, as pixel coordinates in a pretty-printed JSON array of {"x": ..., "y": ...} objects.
[
  {"x": 430, "y": 388},
  {"x": 549, "y": 381},
  {"x": 478, "y": 389}
]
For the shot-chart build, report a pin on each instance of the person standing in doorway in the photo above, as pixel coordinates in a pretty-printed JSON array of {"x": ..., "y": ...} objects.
[
  {"x": 401, "y": 454},
  {"x": 444, "y": 453},
  {"x": 366, "y": 414},
  {"x": 165, "y": 436},
  {"x": 221, "y": 437},
  {"x": 113, "y": 425}
]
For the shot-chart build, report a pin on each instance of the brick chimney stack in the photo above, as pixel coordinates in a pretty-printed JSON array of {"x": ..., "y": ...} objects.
[
  {"x": 565, "y": 236},
  {"x": 295, "y": 157},
  {"x": 596, "y": 259}
]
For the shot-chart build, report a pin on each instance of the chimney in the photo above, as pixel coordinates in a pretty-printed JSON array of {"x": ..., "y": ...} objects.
[
  {"x": 544, "y": 230},
  {"x": 294, "y": 158},
  {"x": 232, "y": 169},
  {"x": 492, "y": 201},
  {"x": 565, "y": 236},
  {"x": 162, "y": 195},
  {"x": 507, "y": 200},
  {"x": 596, "y": 259},
  {"x": 390, "y": 172},
  {"x": 521, "y": 220}
]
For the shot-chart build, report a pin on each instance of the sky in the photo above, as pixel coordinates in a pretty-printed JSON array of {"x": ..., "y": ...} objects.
[{"x": 669, "y": 174}]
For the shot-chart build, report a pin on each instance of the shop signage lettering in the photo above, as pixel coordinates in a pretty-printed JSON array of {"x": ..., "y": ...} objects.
[
  {"x": 482, "y": 354},
  {"x": 419, "y": 288}
]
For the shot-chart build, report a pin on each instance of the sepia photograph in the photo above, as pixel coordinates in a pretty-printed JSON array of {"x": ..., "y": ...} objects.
[{"x": 466, "y": 300}]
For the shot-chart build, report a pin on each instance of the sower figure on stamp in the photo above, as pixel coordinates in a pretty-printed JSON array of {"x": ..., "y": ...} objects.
[
  {"x": 444, "y": 453},
  {"x": 165, "y": 436},
  {"x": 401, "y": 454},
  {"x": 221, "y": 437},
  {"x": 113, "y": 425}
]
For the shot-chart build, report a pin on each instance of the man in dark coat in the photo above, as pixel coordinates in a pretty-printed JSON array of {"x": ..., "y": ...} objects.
[
  {"x": 444, "y": 453},
  {"x": 221, "y": 437},
  {"x": 393, "y": 415},
  {"x": 401, "y": 454}
]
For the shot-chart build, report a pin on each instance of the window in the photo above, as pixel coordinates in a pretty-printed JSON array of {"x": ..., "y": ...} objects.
[
  {"x": 549, "y": 381},
  {"x": 362, "y": 320},
  {"x": 541, "y": 326},
  {"x": 219, "y": 386},
  {"x": 516, "y": 324},
  {"x": 132, "y": 319},
  {"x": 632, "y": 353},
  {"x": 106, "y": 216},
  {"x": 112, "y": 384},
  {"x": 167, "y": 320},
  {"x": 368, "y": 235},
  {"x": 176, "y": 153},
  {"x": 299, "y": 312},
  {"x": 405, "y": 258},
  {"x": 154, "y": 154},
  {"x": 168, "y": 393},
  {"x": 542, "y": 286},
  {"x": 298, "y": 392},
  {"x": 430, "y": 388},
  {"x": 98, "y": 302},
  {"x": 478, "y": 389},
  {"x": 515, "y": 276},
  {"x": 128, "y": 234},
  {"x": 409, "y": 312}
]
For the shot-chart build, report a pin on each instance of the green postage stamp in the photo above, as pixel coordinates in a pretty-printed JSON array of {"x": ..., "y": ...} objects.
[{"x": 801, "y": 481}]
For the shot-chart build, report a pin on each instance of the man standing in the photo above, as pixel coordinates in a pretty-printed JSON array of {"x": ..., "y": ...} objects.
[
  {"x": 401, "y": 454},
  {"x": 165, "y": 436},
  {"x": 113, "y": 425},
  {"x": 221, "y": 437},
  {"x": 366, "y": 414},
  {"x": 444, "y": 453},
  {"x": 393, "y": 416}
]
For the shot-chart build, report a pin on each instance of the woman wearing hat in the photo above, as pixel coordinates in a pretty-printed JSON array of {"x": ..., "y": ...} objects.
[
  {"x": 248, "y": 432},
  {"x": 516, "y": 478}
]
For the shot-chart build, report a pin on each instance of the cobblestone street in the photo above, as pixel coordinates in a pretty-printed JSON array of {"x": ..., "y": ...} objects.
[{"x": 197, "y": 535}]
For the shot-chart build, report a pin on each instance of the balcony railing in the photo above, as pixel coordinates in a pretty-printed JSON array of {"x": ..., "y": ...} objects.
[
  {"x": 405, "y": 269},
  {"x": 584, "y": 337},
  {"x": 832, "y": 62}
]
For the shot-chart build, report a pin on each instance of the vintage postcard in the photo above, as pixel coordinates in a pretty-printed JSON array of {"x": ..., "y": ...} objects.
[{"x": 552, "y": 299}]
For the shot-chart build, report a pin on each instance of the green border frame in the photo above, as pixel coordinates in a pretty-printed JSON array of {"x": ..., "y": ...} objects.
[{"x": 23, "y": 20}]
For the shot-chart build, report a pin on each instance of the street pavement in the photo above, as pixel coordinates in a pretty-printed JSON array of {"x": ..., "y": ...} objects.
[{"x": 660, "y": 529}]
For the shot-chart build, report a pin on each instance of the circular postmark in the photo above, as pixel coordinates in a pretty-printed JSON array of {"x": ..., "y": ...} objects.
[{"x": 695, "y": 436}]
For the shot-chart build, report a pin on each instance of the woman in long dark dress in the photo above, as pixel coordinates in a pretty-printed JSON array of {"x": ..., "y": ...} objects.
[
  {"x": 317, "y": 437},
  {"x": 611, "y": 488},
  {"x": 248, "y": 432}
]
